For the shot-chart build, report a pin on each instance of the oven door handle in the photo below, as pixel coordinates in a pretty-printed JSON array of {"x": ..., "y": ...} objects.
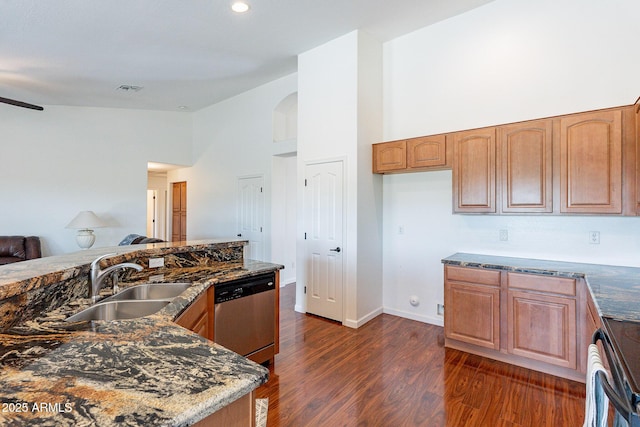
[{"x": 616, "y": 396}]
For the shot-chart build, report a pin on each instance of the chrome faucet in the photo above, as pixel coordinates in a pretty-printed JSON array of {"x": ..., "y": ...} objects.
[{"x": 98, "y": 276}]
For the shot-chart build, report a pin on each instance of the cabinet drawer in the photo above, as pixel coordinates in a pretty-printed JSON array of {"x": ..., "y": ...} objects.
[
  {"x": 532, "y": 282},
  {"x": 473, "y": 275}
]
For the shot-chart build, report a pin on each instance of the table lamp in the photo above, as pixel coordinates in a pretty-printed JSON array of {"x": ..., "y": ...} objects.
[{"x": 85, "y": 222}]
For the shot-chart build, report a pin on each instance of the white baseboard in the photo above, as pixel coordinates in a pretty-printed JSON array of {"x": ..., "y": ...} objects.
[
  {"x": 364, "y": 319},
  {"x": 288, "y": 281},
  {"x": 433, "y": 320},
  {"x": 355, "y": 324}
]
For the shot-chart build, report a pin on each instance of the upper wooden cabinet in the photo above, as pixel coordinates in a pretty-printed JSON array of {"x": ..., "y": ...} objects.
[
  {"x": 474, "y": 170},
  {"x": 389, "y": 156},
  {"x": 525, "y": 164},
  {"x": 427, "y": 152},
  {"x": 583, "y": 163},
  {"x": 591, "y": 162},
  {"x": 411, "y": 155}
]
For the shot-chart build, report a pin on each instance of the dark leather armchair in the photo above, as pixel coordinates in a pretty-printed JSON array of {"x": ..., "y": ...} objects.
[{"x": 19, "y": 248}]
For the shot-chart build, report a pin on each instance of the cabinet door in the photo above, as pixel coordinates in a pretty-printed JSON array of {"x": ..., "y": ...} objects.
[
  {"x": 542, "y": 327},
  {"x": 472, "y": 314},
  {"x": 526, "y": 153},
  {"x": 474, "y": 170},
  {"x": 389, "y": 156},
  {"x": 197, "y": 316},
  {"x": 591, "y": 162},
  {"x": 427, "y": 151}
]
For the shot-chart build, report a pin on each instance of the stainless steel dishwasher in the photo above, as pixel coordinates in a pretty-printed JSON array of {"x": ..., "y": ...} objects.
[{"x": 244, "y": 319}]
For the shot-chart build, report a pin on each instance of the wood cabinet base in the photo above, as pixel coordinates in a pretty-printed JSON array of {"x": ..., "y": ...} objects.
[
  {"x": 241, "y": 413},
  {"x": 524, "y": 362}
]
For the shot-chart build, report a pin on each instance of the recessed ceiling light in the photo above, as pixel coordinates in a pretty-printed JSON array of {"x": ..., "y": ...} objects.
[
  {"x": 182, "y": 107},
  {"x": 240, "y": 7}
]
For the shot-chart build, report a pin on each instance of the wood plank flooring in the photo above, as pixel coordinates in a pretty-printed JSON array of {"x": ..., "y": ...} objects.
[{"x": 396, "y": 372}]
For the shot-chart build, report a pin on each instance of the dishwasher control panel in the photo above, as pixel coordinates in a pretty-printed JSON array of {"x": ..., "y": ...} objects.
[{"x": 243, "y": 287}]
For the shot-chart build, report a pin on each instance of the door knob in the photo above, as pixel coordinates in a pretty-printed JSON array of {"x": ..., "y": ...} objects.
[
  {"x": 336, "y": 249},
  {"x": 239, "y": 234}
]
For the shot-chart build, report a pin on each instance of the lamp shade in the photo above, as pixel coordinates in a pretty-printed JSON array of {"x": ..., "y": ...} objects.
[{"x": 86, "y": 220}]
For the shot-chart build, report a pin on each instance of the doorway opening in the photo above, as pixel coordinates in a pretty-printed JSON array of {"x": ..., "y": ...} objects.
[{"x": 158, "y": 200}]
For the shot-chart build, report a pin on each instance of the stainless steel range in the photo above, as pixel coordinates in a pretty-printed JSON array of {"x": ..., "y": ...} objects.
[{"x": 621, "y": 343}]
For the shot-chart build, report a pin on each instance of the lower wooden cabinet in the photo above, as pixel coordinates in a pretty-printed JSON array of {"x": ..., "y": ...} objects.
[
  {"x": 529, "y": 320},
  {"x": 241, "y": 413},
  {"x": 199, "y": 316},
  {"x": 475, "y": 297},
  {"x": 542, "y": 327}
]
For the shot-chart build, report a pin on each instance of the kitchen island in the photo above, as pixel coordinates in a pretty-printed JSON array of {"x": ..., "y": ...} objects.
[{"x": 143, "y": 371}]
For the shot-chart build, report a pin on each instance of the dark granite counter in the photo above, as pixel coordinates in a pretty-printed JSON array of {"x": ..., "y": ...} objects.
[
  {"x": 144, "y": 371},
  {"x": 615, "y": 289}
]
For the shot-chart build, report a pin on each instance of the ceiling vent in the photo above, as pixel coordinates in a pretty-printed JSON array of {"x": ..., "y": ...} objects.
[{"x": 129, "y": 88}]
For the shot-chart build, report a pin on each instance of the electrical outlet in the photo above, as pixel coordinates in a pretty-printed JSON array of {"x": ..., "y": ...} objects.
[
  {"x": 440, "y": 309},
  {"x": 504, "y": 235},
  {"x": 156, "y": 262},
  {"x": 594, "y": 237},
  {"x": 400, "y": 229}
]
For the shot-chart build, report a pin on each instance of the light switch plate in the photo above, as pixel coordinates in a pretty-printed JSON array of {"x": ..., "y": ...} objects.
[{"x": 156, "y": 262}]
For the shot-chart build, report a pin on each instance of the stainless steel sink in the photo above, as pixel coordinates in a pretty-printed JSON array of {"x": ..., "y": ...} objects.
[
  {"x": 114, "y": 310},
  {"x": 150, "y": 291}
]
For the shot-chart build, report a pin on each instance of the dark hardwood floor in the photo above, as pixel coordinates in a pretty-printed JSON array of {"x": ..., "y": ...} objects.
[{"x": 396, "y": 372}]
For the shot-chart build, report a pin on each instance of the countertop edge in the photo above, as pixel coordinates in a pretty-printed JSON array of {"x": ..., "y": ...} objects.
[{"x": 615, "y": 290}]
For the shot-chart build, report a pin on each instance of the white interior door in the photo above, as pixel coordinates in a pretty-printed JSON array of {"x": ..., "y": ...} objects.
[
  {"x": 324, "y": 247},
  {"x": 251, "y": 215}
]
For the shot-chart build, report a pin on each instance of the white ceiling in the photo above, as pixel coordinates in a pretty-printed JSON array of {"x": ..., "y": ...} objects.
[{"x": 190, "y": 53}]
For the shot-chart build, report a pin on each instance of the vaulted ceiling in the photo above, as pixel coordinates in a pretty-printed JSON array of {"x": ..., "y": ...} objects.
[{"x": 185, "y": 54}]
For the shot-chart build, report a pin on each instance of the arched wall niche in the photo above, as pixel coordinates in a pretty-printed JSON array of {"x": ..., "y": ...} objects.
[{"x": 285, "y": 119}]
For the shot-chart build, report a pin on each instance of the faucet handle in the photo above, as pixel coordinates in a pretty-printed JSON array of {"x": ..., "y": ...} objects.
[
  {"x": 96, "y": 261},
  {"x": 95, "y": 266}
]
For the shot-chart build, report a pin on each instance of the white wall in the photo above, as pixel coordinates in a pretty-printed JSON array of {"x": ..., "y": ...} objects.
[
  {"x": 506, "y": 61},
  {"x": 62, "y": 160},
  {"x": 284, "y": 216},
  {"x": 231, "y": 139},
  {"x": 335, "y": 124}
]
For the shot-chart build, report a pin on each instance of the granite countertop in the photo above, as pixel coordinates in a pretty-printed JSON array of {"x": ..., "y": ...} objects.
[
  {"x": 615, "y": 289},
  {"x": 145, "y": 371}
]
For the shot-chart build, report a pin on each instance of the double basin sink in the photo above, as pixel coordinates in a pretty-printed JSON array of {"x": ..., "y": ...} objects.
[{"x": 133, "y": 302}]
